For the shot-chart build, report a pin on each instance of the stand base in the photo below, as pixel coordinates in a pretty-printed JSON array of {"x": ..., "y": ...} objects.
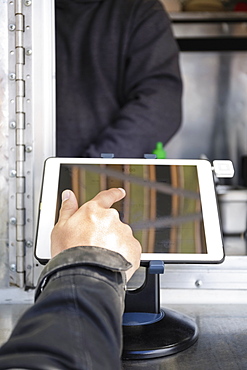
[{"x": 173, "y": 333}]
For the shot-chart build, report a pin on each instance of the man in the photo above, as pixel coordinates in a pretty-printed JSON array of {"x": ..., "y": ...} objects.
[
  {"x": 118, "y": 80},
  {"x": 76, "y": 320}
]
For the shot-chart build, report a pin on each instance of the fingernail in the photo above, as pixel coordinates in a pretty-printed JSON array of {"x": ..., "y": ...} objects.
[
  {"x": 65, "y": 195},
  {"x": 123, "y": 191}
]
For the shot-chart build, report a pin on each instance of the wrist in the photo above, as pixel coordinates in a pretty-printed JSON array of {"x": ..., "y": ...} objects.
[{"x": 83, "y": 256}]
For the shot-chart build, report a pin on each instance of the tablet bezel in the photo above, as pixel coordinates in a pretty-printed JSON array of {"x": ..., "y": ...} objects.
[{"x": 214, "y": 240}]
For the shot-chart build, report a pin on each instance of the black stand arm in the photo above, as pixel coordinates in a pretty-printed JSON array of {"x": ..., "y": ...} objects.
[{"x": 148, "y": 331}]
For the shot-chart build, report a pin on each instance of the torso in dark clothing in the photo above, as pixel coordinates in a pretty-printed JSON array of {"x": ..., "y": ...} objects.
[{"x": 102, "y": 102}]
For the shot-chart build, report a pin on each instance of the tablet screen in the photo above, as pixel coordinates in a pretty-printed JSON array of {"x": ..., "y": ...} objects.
[{"x": 162, "y": 204}]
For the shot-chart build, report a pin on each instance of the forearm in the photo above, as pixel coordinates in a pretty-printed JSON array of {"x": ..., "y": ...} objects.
[
  {"x": 76, "y": 320},
  {"x": 141, "y": 124}
]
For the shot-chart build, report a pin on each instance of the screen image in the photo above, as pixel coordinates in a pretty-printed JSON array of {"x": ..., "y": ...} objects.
[{"x": 162, "y": 203}]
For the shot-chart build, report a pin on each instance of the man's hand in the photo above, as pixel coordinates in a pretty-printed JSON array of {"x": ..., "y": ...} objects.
[{"x": 95, "y": 224}]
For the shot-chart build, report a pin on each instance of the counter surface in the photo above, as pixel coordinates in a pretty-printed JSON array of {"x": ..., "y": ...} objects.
[{"x": 222, "y": 343}]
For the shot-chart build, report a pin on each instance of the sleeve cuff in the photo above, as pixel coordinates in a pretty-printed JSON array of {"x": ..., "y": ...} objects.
[{"x": 79, "y": 256}]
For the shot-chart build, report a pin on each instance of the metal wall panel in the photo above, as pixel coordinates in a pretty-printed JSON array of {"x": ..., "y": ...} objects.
[
  {"x": 4, "y": 170},
  {"x": 27, "y": 129}
]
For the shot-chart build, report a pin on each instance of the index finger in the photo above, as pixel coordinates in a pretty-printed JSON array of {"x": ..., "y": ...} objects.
[{"x": 107, "y": 198}]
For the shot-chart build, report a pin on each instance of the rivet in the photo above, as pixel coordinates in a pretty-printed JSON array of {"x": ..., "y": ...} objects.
[
  {"x": 28, "y": 148},
  {"x": 29, "y": 52},
  {"x": 12, "y": 221},
  {"x": 12, "y": 125},
  {"x": 198, "y": 283},
  {"x": 13, "y": 173},
  {"x": 12, "y": 76},
  {"x": 12, "y": 267},
  {"x": 11, "y": 27},
  {"x": 29, "y": 244}
]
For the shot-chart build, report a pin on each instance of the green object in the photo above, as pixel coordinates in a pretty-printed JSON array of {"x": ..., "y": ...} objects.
[{"x": 159, "y": 151}]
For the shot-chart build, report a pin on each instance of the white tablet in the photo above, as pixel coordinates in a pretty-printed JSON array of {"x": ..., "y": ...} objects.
[{"x": 170, "y": 204}]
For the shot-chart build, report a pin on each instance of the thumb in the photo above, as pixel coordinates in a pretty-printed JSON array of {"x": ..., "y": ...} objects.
[{"x": 69, "y": 205}]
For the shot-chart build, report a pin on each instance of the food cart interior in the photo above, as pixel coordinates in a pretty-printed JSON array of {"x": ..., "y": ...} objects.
[{"x": 213, "y": 54}]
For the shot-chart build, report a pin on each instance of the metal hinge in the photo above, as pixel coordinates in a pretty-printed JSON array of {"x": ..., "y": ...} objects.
[{"x": 20, "y": 143}]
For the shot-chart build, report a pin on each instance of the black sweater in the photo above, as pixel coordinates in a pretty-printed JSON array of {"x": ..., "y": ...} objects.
[{"x": 118, "y": 80}]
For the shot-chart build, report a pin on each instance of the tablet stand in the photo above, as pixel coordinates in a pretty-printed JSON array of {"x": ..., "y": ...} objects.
[{"x": 148, "y": 331}]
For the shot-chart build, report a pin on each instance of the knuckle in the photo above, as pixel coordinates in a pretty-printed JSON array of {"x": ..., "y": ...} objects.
[
  {"x": 113, "y": 213},
  {"x": 111, "y": 216},
  {"x": 90, "y": 209},
  {"x": 128, "y": 229},
  {"x": 90, "y": 205}
]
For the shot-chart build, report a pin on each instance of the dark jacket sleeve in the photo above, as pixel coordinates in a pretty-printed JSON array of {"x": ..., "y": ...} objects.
[
  {"x": 151, "y": 87},
  {"x": 76, "y": 320}
]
